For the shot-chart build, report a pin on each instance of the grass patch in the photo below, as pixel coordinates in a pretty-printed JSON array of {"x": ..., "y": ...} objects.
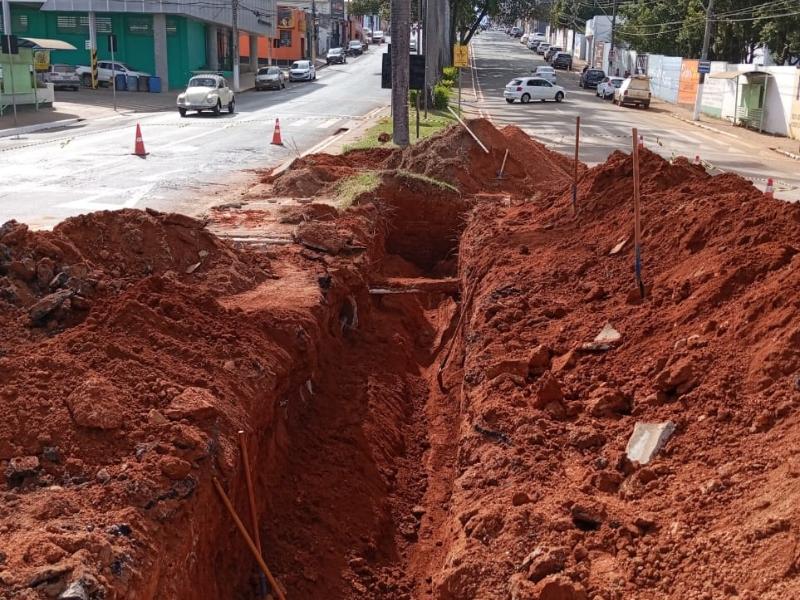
[
  {"x": 442, "y": 185},
  {"x": 349, "y": 188},
  {"x": 436, "y": 121}
]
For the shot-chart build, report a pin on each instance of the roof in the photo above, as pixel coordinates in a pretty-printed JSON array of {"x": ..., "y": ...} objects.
[
  {"x": 45, "y": 44},
  {"x": 737, "y": 74}
]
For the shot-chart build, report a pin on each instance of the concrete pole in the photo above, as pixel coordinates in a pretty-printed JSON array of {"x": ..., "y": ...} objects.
[
  {"x": 253, "y": 52},
  {"x": 235, "y": 34},
  {"x": 93, "y": 48},
  {"x": 160, "y": 49},
  {"x": 698, "y": 101},
  {"x": 6, "y": 17},
  {"x": 613, "y": 36},
  {"x": 7, "y": 31},
  {"x": 212, "y": 52}
]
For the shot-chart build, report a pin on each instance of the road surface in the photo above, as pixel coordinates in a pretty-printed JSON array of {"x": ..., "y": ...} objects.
[
  {"x": 49, "y": 176},
  {"x": 605, "y": 127}
]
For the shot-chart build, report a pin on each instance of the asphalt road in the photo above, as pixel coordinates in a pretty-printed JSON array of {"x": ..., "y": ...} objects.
[
  {"x": 605, "y": 127},
  {"x": 51, "y": 175}
]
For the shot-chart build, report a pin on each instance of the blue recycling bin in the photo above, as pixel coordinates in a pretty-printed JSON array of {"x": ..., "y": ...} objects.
[
  {"x": 154, "y": 85},
  {"x": 120, "y": 81},
  {"x": 133, "y": 83}
]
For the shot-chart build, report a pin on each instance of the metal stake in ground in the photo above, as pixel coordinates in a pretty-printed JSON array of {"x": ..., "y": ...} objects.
[
  {"x": 240, "y": 526},
  {"x": 575, "y": 172},
  {"x": 637, "y": 226},
  {"x": 252, "y": 498}
]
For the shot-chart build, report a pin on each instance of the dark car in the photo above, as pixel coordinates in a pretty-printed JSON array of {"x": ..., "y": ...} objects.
[
  {"x": 562, "y": 60},
  {"x": 355, "y": 48},
  {"x": 551, "y": 52},
  {"x": 270, "y": 78},
  {"x": 336, "y": 55},
  {"x": 591, "y": 77}
]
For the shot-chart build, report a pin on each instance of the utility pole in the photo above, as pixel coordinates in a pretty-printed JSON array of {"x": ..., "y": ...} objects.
[
  {"x": 314, "y": 33},
  {"x": 7, "y": 34},
  {"x": 235, "y": 33},
  {"x": 613, "y": 37},
  {"x": 706, "y": 42}
]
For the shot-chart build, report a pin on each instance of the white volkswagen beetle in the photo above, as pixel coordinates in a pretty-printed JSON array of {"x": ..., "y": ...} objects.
[{"x": 207, "y": 91}]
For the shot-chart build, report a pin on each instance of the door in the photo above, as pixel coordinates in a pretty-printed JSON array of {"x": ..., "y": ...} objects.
[
  {"x": 546, "y": 91},
  {"x": 537, "y": 89}
]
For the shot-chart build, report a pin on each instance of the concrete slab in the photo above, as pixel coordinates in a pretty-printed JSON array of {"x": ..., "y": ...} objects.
[
  {"x": 647, "y": 440},
  {"x": 608, "y": 335}
]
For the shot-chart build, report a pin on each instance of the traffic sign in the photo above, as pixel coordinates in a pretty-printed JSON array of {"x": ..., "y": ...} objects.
[
  {"x": 460, "y": 55},
  {"x": 704, "y": 66}
]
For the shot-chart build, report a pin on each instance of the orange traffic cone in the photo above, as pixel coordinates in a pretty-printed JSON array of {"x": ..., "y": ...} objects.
[
  {"x": 138, "y": 148},
  {"x": 770, "y": 191},
  {"x": 276, "y": 135}
]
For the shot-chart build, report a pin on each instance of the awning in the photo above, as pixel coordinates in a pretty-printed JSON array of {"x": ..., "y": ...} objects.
[
  {"x": 735, "y": 74},
  {"x": 45, "y": 44}
]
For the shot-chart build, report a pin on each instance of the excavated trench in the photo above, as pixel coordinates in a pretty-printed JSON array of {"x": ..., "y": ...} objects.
[{"x": 352, "y": 472}]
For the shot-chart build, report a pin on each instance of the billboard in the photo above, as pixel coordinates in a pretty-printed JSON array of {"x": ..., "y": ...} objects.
[
  {"x": 687, "y": 87},
  {"x": 285, "y": 17},
  {"x": 337, "y": 9}
]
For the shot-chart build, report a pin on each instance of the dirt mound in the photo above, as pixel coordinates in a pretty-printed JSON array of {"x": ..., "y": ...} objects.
[
  {"x": 454, "y": 157},
  {"x": 548, "y": 412}
]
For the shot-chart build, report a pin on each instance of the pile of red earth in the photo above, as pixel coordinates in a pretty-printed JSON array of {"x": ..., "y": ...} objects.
[
  {"x": 515, "y": 163},
  {"x": 428, "y": 408},
  {"x": 546, "y": 501}
]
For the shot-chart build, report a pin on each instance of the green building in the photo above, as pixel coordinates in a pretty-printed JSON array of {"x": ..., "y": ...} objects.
[{"x": 168, "y": 39}]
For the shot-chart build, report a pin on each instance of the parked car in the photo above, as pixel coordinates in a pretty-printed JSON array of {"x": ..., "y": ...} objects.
[
  {"x": 63, "y": 77},
  {"x": 635, "y": 90},
  {"x": 523, "y": 39},
  {"x": 270, "y": 78},
  {"x": 590, "y": 78},
  {"x": 207, "y": 92},
  {"x": 545, "y": 72},
  {"x": 607, "y": 87},
  {"x": 533, "y": 44},
  {"x": 302, "y": 70},
  {"x": 336, "y": 56},
  {"x": 377, "y": 37},
  {"x": 106, "y": 70},
  {"x": 355, "y": 48},
  {"x": 542, "y": 48},
  {"x": 551, "y": 52},
  {"x": 516, "y": 32},
  {"x": 562, "y": 60},
  {"x": 526, "y": 89}
]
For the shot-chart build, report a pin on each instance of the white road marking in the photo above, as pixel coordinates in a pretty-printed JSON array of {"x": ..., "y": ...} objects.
[
  {"x": 298, "y": 123},
  {"x": 328, "y": 123},
  {"x": 89, "y": 203}
]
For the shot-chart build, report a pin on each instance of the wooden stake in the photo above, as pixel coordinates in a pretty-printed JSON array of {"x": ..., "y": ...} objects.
[
  {"x": 637, "y": 226},
  {"x": 250, "y": 492},
  {"x": 575, "y": 173},
  {"x": 240, "y": 526}
]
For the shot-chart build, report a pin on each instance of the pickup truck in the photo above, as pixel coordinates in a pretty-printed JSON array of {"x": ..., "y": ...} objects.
[{"x": 105, "y": 72}]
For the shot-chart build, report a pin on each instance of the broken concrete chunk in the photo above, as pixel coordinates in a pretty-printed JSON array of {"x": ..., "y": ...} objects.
[
  {"x": 608, "y": 335},
  {"x": 192, "y": 403},
  {"x": 192, "y": 268},
  {"x": 21, "y": 467},
  {"x": 647, "y": 440},
  {"x": 618, "y": 248},
  {"x": 76, "y": 591}
]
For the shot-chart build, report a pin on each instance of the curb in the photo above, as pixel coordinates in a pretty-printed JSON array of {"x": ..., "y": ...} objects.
[
  {"x": 791, "y": 155},
  {"x": 702, "y": 126},
  {"x": 38, "y": 127}
]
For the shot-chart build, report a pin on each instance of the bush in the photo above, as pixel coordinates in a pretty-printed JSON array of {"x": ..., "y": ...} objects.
[
  {"x": 412, "y": 96},
  {"x": 447, "y": 83},
  {"x": 450, "y": 73},
  {"x": 441, "y": 96}
]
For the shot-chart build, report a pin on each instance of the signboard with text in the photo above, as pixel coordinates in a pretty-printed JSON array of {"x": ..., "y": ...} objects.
[
  {"x": 460, "y": 55},
  {"x": 41, "y": 60}
]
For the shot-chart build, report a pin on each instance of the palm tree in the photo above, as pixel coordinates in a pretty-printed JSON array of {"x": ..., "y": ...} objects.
[{"x": 400, "y": 30}]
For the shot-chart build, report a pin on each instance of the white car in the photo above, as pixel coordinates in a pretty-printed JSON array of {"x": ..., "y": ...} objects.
[
  {"x": 377, "y": 37},
  {"x": 605, "y": 89},
  {"x": 302, "y": 70},
  {"x": 526, "y": 89},
  {"x": 106, "y": 71},
  {"x": 206, "y": 92},
  {"x": 548, "y": 73}
]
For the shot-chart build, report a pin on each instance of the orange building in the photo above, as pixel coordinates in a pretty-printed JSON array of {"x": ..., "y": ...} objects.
[{"x": 290, "y": 44}]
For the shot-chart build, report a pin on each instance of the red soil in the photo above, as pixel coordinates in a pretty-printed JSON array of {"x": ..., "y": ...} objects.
[{"x": 411, "y": 445}]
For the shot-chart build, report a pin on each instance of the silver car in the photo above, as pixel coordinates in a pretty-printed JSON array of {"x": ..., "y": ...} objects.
[
  {"x": 302, "y": 70},
  {"x": 63, "y": 77},
  {"x": 270, "y": 78}
]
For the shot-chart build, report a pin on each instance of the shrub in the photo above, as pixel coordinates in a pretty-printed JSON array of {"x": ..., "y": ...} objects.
[
  {"x": 441, "y": 96},
  {"x": 450, "y": 73},
  {"x": 412, "y": 96}
]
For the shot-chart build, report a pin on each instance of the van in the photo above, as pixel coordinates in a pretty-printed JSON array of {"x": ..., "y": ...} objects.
[{"x": 635, "y": 90}]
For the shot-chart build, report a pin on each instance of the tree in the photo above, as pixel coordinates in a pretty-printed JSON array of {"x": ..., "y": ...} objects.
[{"x": 400, "y": 28}]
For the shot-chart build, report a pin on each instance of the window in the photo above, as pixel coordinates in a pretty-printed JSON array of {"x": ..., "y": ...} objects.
[
  {"x": 67, "y": 23},
  {"x": 172, "y": 26},
  {"x": 285, "y": 40},
  {"x": 140, "y": 25}
]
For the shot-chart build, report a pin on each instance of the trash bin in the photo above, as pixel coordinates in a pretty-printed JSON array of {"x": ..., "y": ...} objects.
[
  {"x": 121, "y": 82},
  {"x": 132, "y": 81},
  {"x": 154, "y": 85},
  {"x": 143, "y": 80}
]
